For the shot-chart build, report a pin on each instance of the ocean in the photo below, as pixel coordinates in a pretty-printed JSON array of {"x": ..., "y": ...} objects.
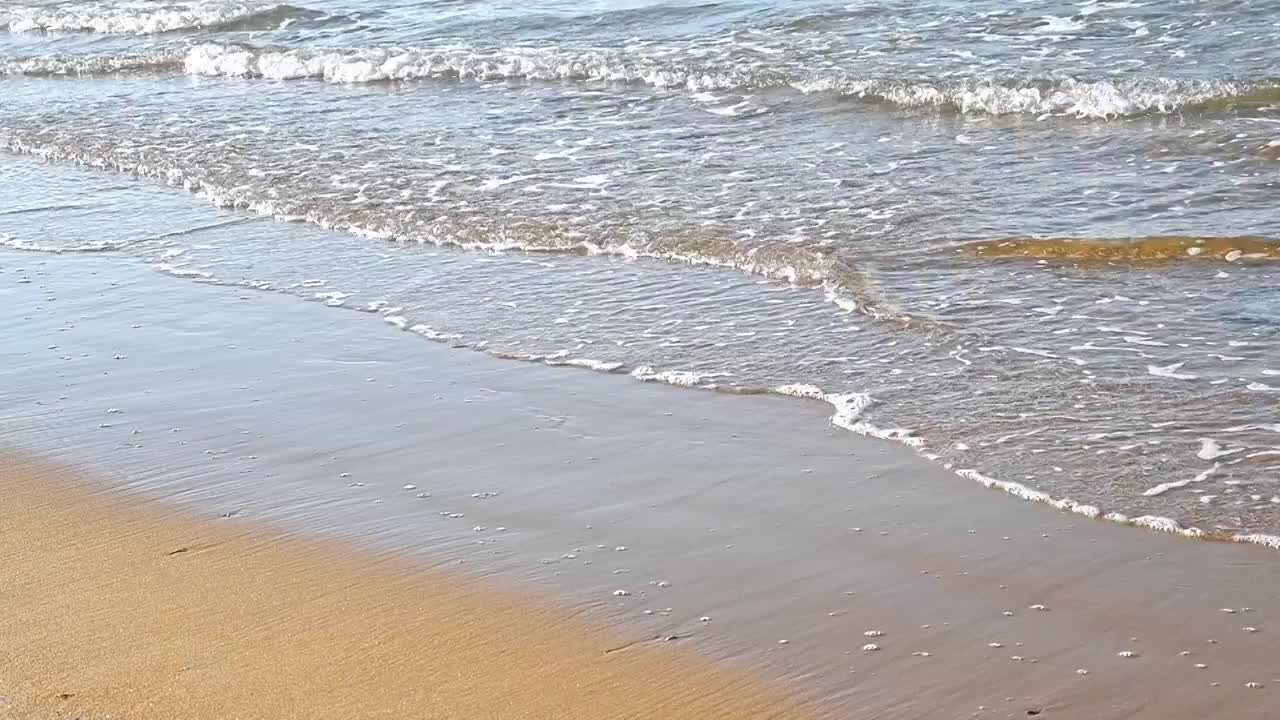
[{"x": 1036, "y": 241}]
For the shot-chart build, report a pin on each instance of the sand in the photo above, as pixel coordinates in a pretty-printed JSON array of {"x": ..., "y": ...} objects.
[
  {"x": 751, "y": 512},
  {"x": 116, "y": 609}
]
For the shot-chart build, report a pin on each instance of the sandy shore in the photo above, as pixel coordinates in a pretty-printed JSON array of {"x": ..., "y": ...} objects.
[
  {"x": 112, "y": 609},
  {"x": 733, "y": 523}
]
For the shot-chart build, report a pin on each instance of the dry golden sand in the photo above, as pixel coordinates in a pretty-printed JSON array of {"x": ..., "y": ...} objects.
[{"x": 114, "y": 608}]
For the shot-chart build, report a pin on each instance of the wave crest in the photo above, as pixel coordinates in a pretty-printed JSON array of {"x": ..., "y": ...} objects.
[
  {"x": 795, "y": 263},
  {"x": 109, "y": 19},
  {"x": 54, "y": 65},
  {"x": 1103, "y": 99}
]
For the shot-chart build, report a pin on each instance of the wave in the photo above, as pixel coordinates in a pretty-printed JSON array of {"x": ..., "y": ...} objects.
[
  {"x": 75, "y": 65},
  {"x": 849, "y": 409},
  {"x": 794, "y": 263},
  {"x": 1098, "y": 99},
  {"x": 8, "y": 241},
  {"x": 1144, "y": 249},
  {"x": 1086, "y": 99},
  {"x": 132, "y": 19},
  {"x": 1067, "y": 97}
]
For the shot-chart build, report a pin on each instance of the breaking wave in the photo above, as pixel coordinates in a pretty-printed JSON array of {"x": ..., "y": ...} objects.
[
  {"x": 112, "y": 19},
  {"x": 696, "y": 245},
  {"x": 74, "y": 65},
  {"x": 1068, "y": 97},
  {"x": 1097, "y": 99}
]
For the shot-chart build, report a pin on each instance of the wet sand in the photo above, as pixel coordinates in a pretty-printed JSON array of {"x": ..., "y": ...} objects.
[
  {"x": 731, "y": 523},
  {"x": 118, "y": 610}
]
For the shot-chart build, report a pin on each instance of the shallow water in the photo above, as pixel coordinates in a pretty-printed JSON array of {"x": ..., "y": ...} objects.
[{"x": 1038, "y": 241}]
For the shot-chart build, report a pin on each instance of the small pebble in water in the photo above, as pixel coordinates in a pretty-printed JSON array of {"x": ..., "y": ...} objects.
[
  {"x": 620, "y": 548},
  {"x": 1185, "y": 653},
  {"x": 995, "y": 645},
  {"x": 1201, "y": 666},
  {"x": 1008, "y": 613},
  {"x": 410, "y": 487},
  {"x": 783, "y": 642},
  {"x": 705, "y": 619}
]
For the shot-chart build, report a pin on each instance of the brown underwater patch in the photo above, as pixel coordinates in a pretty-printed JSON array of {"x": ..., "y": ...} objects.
[{"x": 1159, "y": 248}]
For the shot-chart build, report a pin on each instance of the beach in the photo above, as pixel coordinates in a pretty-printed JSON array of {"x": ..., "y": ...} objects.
[
  {"x": 824, "y": 359},
  {"x": 120, "y": 610},
  {"x": 341, "y": 497}
]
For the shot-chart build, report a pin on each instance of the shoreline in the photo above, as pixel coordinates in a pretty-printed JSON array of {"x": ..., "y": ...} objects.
[
  {"x": 726, "y": 520},
  {"x": 846, "y": 408},
  {"x": 121, "y": 608}
]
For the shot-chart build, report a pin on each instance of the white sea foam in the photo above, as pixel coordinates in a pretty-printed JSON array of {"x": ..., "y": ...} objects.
[
  {"x": 1163, "y": 488},
  {"x": 1170, "y": 371},
  {"x": 431, "y": 333},
  {"x": 682, "y": 378},
  {"x": 91, "y": 247},
  {"x": 182, "y": 272},
  {"x": 850, "y": 406},
  {"x": 134, "y": 18},
  {"x": 1210, "y": 450},
  {"x": 1079, "y": 98},
  {"x": 90, "y": 64},
  {"x": 785, "y": 261},
  {"x": 1270, "y": 541},
  {"x": 589, "y": 363}
]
